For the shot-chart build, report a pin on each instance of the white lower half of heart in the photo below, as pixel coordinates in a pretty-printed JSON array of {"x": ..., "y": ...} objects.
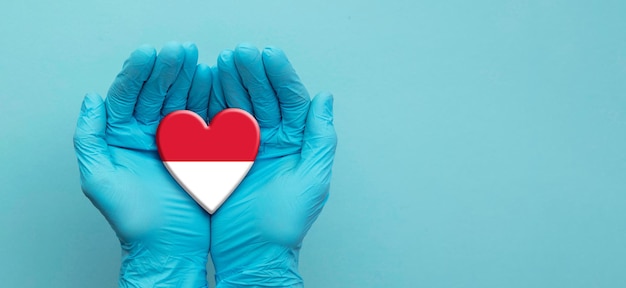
[{"x": 209, "y": 182}]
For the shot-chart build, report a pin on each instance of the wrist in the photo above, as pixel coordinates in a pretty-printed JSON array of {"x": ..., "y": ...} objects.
[
  {"x": 282, "y": 272},
  {"x": 148, "y": 269},
  {"x": 261, "y": 278}
]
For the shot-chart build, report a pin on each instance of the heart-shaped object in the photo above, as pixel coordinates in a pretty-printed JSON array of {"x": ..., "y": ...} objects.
[{"x": 210, "y": 161}]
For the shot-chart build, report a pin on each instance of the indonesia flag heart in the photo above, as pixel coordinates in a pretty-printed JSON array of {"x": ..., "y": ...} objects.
[{"x": 210, "y": 161}]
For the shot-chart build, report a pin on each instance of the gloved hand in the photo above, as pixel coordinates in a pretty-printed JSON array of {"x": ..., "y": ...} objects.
[
  {"x": 257, "y": 233},
  {"x": 164, "y": 234}
]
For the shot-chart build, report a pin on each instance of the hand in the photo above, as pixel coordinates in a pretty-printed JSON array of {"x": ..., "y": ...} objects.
[
  {"x": 257, "y": 233},
  {"x": 164, "y": 234}
]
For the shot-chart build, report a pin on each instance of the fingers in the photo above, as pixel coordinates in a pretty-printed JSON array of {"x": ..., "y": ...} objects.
[
  {"x": 176, "y": 98},
  {"x": 217, "y": 102},
  {"x": 91, "y": 148},
  {"x": 125, "y": 89},
  {"x": 249, "y": 64},
  {"x": 198, "y": 100},
  {"x": 320, "y": 140},
  {"x": 234, "y": 92},
  {"x": 292, "y": 96},
  {"x": 166, "y": 68}
]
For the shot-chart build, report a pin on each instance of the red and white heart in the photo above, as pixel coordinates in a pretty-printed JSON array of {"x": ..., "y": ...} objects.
[{"x": 210, "y": 161}]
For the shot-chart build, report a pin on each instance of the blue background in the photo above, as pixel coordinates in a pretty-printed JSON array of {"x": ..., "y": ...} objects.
[{"x": 482, "y": 143}]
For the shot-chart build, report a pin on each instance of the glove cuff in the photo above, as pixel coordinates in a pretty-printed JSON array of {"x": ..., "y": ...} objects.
[
  {"x": 263, "y": 278},
  {"x": 157, "y": 270}
]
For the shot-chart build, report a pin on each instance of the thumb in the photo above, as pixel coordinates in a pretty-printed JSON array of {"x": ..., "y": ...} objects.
[
  {"x": 91, "y": 148},
  {"x": 320, "y": 139}
]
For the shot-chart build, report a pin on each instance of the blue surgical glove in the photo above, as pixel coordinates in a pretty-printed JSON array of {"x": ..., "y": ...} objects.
[
  {"x": 163, "y": 233},
  {"x": 257, "y": 233}
]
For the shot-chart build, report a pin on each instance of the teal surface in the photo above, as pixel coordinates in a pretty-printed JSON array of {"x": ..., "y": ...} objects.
[{"x": 481, "y": 143}]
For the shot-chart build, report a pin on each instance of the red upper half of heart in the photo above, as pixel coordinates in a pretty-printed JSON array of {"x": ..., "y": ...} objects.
[{"x": 233, "y": 135}]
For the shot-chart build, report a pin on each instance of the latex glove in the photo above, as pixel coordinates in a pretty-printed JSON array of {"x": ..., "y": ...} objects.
[
  {"x": 257, "y": 233},
  {"x": 163, "y": 233}
]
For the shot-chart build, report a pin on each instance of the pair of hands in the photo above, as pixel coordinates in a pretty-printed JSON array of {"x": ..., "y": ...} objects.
[{"x": 255, "y": 237}]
